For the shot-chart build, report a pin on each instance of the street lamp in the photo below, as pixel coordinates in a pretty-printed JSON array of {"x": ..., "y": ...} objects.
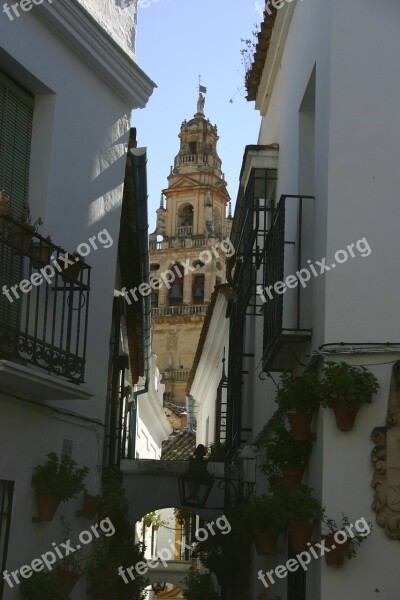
[{"x": 195, "y": 485}]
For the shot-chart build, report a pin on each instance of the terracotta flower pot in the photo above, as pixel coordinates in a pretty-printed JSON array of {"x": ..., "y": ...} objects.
[
  {"x": 42, "y": 255},
  {"x": 337, "y": 552},
  {"x": 72, "y": 271},
  {"x": 91, "y": 505},
  {"x": 155, "y": 527},
  {"x": 300, "y": 533},
  {"x": 264, "y": 542},
  {"x": 147, "y": 522},
  {"x": 300, "y": 424},
  {"x": 47, "y": 506},
  {"x": 345, "y": 413},
  {"x": 293, "y": 475},
  {"x": 69, "y": 578},
  {"x": 21, "y": 238}
]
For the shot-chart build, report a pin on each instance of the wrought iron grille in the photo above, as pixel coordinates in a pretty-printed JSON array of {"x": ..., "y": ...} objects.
[{"x": 46, "y": 324}]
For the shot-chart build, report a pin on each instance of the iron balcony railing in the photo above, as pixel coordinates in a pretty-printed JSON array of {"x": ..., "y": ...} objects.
[
  {"x": 286, "y": 315},
  {"x": 44, "y": 302}
]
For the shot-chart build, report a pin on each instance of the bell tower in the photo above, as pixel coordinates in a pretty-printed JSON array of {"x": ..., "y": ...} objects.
[{"x": 188, "y": 250}]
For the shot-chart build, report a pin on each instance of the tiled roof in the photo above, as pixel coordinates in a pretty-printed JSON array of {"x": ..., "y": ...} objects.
[
  {"x": 179, "y": 446},
  {"x": 253, "y": 76},
  {"x": 178, "y": 409}
]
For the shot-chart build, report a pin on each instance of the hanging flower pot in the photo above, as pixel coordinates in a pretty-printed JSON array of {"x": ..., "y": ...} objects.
[
  {"x": 47, "y": 506},
  {"x": 69, "y": 579},
  {"x": 300, "y": 534},
  {"x": 264, "y": 542},
  {"x": 300, "y": 423},
  {"x": 42, "y": 254},
  {"x": 91, "y": 505},
  {"x": 335, "y": 553},
  {"x": 345, "y": 413},
  {"x": 147, "y": 521},
  {"x": 72, "y": 272},
  {"x": 293, "y": 475}
]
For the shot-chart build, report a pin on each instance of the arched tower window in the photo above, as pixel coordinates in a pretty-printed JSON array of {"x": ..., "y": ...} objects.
[
  {"x": 176, "y": 291},
  {"x": 185, "y": 220}
]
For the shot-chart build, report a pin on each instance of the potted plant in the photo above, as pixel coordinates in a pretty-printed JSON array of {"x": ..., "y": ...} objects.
[
  {"x": 71, "y": 272},
  {"x": 288, "y": 455},
  {"x": 91, "y": 505},
  {"x": 42, "y": 252},
  {"x": 345, "y": 387},
  {"x": 266, "y": 517},
  {"x": 42, "y": 585},
  {"x": 5, "y": 210},
  {"x": 21, "y": 234},
  {"x": 114, "y": 503},
  {"x": 338, "y": 550},
  {"x": 199, "y": 585},
  {"x": 301, "y": 510},
  {"x": 56, "y": 481},
  {"x": 69, "y": 568},
  {"x": 300, "y": 398}
]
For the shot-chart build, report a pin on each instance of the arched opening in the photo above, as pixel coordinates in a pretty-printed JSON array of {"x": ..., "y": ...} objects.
[
  {"x": 176, "y": 290},
  {"x": 198, "y": 289},
  {"x": 185, "y": 220}
]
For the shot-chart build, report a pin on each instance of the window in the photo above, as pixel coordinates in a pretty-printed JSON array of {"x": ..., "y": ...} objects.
[
  {"x": 6, "y": 499},
  {"x": 193, "y": 147},
  {"x": 16, "y": 115},
  {"x": 176, "y": 291},
  {"x": 185, "y": 220},
  {"x": 198, "y": 289}
]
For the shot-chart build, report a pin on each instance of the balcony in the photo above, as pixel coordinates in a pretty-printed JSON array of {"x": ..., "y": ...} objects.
[
  {"x": 185, "y": 240},
  {"x": 44, "y": 307},
  {"x": 180, "y": 311},
  {"x": 176, "y": 375},
  {"x": 184, "y": 231},
  {"x": 287, "y": 316}
]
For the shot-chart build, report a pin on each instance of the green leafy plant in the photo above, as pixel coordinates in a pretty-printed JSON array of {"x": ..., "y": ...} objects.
[
  {"x": 217, "y": 452},
  {"x": 182, "y": 516},
  {"x": 330, "y": 526},
  {"x": 73, "y": 563},
  {"x": 59, "y": 477},
  {"x": 42, "y": 585},
  {"x": 297, "y": 504},
  {"x": 25, "y": 218},
  {"x": 154, "y": 518},
  {"x": 265, "y": 513},
  {"x": 119, "y": 550},
  {"x": 299, "y": 394},
  {"x": 347, "y": 383},
  {"x": 283, "y": 451},
  {"x": 199, "y": 585}
]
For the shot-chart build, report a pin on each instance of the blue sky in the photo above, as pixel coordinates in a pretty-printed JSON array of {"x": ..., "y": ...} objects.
[{"x": 176, "y": 41}]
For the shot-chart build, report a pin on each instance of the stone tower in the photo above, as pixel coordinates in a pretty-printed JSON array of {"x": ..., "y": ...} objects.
[{"x": 188, "y": 250}]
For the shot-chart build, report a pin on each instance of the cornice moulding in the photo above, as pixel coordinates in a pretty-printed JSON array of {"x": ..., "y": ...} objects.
[{"x": 81, "y": 32}]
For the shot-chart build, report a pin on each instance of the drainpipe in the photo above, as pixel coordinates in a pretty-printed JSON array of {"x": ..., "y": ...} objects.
[
  {"x": 190, "y": 412},
  {"x": 139, "y": 160}
]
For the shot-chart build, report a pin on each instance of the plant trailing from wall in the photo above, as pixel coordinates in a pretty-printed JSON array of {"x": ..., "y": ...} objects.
[
  {"x": 182, "y": 516},
  {"x": 285, "y": 453},
  {"x": 119, "y": 550},
  {"x": 345, "y": 387},
  {"x": 345, "y": 548},
  {"x": 41, "y": 586},
  {"x": 199, "y": 585},
  {"x": 58, "y": 480},
  {"x": 301, "y": 510},
  {"x": 299, "y": 397},
  {"x": 265, "y": 517},
  {"x": 69, "y": 568},
  {"x": 248, "y": 50}
]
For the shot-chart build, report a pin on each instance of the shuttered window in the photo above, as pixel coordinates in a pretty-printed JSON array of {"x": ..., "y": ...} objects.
[{"x": 16, "y": 114}]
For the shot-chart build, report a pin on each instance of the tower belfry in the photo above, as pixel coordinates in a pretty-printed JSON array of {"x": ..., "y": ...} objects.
[{"x": 189, "y": 231}]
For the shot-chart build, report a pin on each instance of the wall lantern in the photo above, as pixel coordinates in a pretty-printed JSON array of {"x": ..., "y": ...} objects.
[{"x": 195, "y": 485}]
